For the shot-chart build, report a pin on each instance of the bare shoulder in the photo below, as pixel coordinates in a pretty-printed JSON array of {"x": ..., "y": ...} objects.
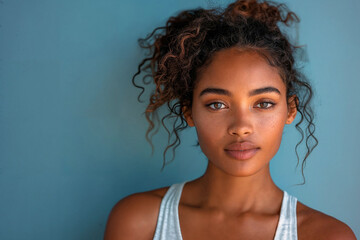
[
  {"x": 313, "y": 224},
  {"x": 135, "y": 216}
]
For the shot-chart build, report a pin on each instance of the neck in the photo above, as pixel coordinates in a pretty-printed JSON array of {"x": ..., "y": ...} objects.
[{"x": 255, "y": 193}]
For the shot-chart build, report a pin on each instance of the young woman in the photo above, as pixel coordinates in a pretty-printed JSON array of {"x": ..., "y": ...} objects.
[{"x": 230, "y": 74}]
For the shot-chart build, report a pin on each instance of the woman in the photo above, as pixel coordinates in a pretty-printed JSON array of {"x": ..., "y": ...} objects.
[{"x": 230, "y": 74}]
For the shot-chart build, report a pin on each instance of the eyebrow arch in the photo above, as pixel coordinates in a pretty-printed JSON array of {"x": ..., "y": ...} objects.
[
  {"x": 219, "y": 91},
  {"x": 264, "y": 90},
  {"x": 254, "y": 92}
]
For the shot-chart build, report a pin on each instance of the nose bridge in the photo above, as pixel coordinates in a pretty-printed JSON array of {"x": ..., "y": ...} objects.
[{"x": 241, "y": 122}]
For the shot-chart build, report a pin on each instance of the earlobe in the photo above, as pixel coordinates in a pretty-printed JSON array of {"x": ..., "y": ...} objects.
[
  {"x": 293, "y": 102},
  {"x": 188, "y": 116}
]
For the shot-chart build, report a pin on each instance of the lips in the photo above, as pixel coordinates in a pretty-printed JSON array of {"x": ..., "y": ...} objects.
[{"x": 242, "y": 150}]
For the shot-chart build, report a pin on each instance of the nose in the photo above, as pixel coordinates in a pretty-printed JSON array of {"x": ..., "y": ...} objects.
[{"x": 241, "y": 123}]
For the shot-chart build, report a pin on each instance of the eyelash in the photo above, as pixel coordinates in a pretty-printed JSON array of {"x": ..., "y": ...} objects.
[
  {"x": 271, "y": 103},
  {"x": 213, "y": 103},
  {"x": 216, "y": 109}
]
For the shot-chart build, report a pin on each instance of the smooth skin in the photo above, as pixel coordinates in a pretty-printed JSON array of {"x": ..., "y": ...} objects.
[{"x": 238, "y": 98}]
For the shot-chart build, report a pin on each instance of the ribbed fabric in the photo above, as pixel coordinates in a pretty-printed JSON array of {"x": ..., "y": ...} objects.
[{"x": 168, "y": 225}]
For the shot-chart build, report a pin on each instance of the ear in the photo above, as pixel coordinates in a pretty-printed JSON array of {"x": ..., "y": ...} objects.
[
  {"x": 188, "y": 116},
  {"x": 293, "y": 102}
]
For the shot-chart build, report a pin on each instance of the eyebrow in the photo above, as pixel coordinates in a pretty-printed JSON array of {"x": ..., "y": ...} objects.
[
  {"x": 264, "y": 90},
  {"x": 219, "y": 91},
  {"x": 258, "y": 91}
]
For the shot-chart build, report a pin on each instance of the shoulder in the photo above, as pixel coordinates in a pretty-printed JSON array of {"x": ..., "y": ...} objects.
[
  {"x": 135, "y": 216},
  {"x": 313, "y": 224}
]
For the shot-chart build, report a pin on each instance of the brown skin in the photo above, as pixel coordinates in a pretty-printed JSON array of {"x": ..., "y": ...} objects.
[{"x": 252, "y": 202}]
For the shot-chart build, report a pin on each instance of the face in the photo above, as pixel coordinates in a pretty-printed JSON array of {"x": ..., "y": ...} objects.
[{"x": 239, "y": 110}]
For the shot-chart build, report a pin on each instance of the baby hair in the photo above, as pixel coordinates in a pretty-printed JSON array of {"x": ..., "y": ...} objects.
[{"x": 183, "y": 47}]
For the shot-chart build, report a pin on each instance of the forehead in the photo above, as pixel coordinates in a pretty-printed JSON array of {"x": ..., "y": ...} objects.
[{"x": 236, "y": 69}]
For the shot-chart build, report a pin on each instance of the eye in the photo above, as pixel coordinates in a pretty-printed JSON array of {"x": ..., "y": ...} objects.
[
  {"x": 216, "y": 105},
  {"x": 265, "y": 105}
]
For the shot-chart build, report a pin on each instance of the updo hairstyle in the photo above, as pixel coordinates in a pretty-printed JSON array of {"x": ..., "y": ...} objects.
[{"x": 186, "y": 44}]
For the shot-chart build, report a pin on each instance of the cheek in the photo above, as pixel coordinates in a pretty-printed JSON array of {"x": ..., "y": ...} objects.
[
  {"x": 270, "y": 122},
  {"x": 272, "y": 126},
  {"x": 210, "y": 131},
  {"x": 206, "y": 131},
  {"x": 206, "y": 140}
]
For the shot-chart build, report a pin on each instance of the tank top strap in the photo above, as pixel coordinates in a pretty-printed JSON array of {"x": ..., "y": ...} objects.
[
  {"x": 168, "y": 225},
  {"x": 287, "y": 225}
]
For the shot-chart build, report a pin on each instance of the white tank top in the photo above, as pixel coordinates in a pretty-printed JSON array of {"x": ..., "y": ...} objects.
[{"x": 168, "y": 225}]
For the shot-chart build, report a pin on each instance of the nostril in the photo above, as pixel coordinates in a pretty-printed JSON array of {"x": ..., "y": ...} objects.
[{"x": 240, "y": 131}]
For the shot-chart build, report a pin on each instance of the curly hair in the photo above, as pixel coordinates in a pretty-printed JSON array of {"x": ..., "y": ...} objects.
[{"x": 186, "y": 44}]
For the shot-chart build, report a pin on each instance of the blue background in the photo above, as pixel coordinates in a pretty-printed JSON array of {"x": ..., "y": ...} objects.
[{"x": 72, "y": 132}]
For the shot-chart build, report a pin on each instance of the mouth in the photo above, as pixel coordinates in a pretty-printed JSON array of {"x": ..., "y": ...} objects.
[
  {"x": 242, "y": 154},
  {"x": 241, "y": 150}
]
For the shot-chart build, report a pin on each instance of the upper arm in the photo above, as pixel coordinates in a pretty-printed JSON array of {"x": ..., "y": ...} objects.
[
  {"x": 337, "y": 230},
  {"x": 317, "y": 225},
  {"x": 134, "y": 217}
]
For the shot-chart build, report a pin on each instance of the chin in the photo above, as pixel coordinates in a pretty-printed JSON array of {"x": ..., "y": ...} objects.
[
  {"x": 242, "y": 173},
  {"x": 241, "y": 169}
]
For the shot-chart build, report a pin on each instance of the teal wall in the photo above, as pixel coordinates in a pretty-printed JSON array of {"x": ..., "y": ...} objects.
[{"x": 72, "y": 132}]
